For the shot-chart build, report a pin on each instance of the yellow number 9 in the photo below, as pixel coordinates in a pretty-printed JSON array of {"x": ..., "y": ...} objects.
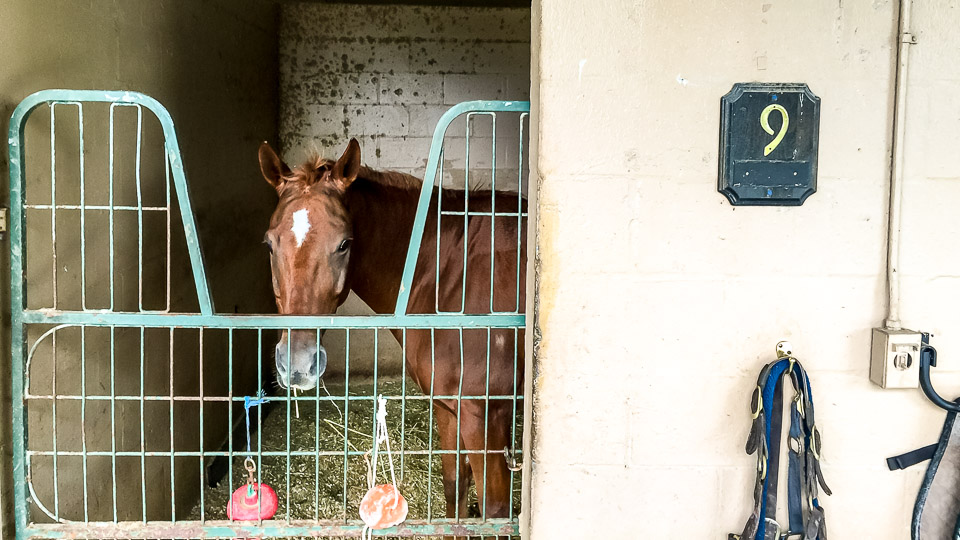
[{"x": 765, "y": 124}]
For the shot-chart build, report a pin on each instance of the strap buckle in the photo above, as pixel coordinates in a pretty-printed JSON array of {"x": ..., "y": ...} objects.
[{"x": 780, "y": 534}]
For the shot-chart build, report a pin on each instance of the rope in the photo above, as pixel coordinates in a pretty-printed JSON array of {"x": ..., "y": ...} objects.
[
  {"x": 248, "y": 463},
  {"x": 380, "y": 436}
]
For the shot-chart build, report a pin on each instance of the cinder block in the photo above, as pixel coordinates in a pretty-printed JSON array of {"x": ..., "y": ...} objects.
[
  {"x": 382, "y": 120},
  {"x": 404, "y": 152},
  {"x": 458, "y": 88},
  {"x": 411, "y": 88}
]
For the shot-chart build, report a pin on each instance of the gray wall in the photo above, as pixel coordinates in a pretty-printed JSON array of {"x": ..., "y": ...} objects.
[
  {"x": 385, "y": 75},
  {"x": 213, "y": 65}
]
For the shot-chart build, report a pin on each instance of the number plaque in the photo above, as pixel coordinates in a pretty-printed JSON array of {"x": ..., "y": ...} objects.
[{"x": 768, "y": 144}]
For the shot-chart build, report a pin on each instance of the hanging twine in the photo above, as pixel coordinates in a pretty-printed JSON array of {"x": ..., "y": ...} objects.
[
  {"x": 380, "y": 436},
  {"x": 248, "y": 463}
]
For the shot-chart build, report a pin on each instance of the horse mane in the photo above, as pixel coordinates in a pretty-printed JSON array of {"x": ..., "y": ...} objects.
[{"x": 313, "y": 169}]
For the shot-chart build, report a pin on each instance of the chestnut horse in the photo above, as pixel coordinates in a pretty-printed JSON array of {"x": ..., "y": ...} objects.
[{"x": 340, "y": 226}]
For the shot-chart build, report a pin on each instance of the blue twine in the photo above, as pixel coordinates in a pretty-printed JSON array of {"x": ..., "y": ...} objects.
[{"x": 252, "y": 402}]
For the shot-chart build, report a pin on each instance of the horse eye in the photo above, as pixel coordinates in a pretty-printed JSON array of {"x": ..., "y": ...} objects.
[{"x": 344, "y": 246}]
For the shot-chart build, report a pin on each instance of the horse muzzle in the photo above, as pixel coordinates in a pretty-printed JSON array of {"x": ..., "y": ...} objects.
[{"x": 300, "y": 367}]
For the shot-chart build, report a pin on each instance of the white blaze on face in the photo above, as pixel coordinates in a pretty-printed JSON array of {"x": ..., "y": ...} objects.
[{"x": 301, "y": 226}]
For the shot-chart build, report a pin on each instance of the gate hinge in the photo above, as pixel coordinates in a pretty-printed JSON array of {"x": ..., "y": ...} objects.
[
  {"x": 909, "y": 38},
  {"x": 3, "y": 222}
]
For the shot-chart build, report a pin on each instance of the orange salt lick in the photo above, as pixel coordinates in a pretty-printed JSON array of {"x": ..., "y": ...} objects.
[{"x": 383, "y": 506}]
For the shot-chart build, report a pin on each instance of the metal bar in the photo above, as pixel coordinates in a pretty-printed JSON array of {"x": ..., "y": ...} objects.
[
  {"x": 230, "y": 413},
  {"x": 143, "y": 442},
  {"x": 113, "y": 420},
  {"x": 430, "y": 451},
  {"x": 53, "y": 200},
  {"x": 83, "y": 420},
  {"x": 271, "y": 528},
  {"x": 202, "y": 446},
  {"x": 140, "y": 214},
  {"x": 100, "y": 207},
  {"x": 208, "y": 399},
  {"x": 224, "y": 453},
  {"x": 173, "y": 477},
  {"x": 53, "y": 421},
  {"x": 83, "y": 214},
  {"x": 459, "y": 417},
  {"x": 195, "y": 320},
  {"x": 346, "y": 421}
]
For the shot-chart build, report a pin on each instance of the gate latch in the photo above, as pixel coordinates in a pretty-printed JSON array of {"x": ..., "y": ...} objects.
[{"x": 513, "y": 463}]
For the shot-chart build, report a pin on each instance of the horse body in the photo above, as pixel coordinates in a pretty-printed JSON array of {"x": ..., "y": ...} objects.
[{"x": 378, "y": 214}]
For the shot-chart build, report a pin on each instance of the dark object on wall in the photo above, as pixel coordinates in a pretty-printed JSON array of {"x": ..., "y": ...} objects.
[
  {"x": 936, "y": 513},
  {"x": 806, "y": 516},
  {"x": 769, "y": 136}
]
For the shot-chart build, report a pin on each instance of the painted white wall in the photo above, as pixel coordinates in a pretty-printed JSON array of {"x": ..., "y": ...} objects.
[{"x": 659, "y": 302}]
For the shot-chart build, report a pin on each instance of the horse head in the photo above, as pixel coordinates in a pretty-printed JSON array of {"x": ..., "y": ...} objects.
[{"x": 310, "y": 240}]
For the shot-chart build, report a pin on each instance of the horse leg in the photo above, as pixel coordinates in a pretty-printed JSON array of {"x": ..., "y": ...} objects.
[
  {"x": 453, "y": 466},
  {"x": 490, "y": 472}
]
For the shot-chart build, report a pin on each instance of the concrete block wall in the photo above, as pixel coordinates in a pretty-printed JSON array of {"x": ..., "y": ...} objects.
[
  {"x": 385, "y": 75},
  {"x": 659, "y": 302}
]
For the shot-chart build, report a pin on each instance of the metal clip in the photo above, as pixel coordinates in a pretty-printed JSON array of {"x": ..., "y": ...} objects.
[
  {"x": 513, "y": 463},
  {"x": 251, "y": 468}
]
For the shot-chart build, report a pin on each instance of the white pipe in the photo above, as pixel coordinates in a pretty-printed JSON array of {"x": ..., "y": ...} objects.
[{"x": 904, "y": 39}]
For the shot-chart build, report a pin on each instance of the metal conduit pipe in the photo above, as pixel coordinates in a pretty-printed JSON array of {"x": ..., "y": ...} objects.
[{"x": 905, "y": 38}]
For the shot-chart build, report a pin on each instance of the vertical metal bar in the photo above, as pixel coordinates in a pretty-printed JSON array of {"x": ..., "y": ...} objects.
[
  {"x": 289, "y": 387},
  {"x": 166, "y": 170},
  {"x": 202, "y": 446},
  {"x": 83, "y": 214},
  {"x": 433, "y": 372},
  {"x": 143, "y": 445},
  {"x": 513, "y": 423},
  {"x": 436, "y": 295},
  {"x": 459, "y": 416},
  {"x": 230, "y": 404},
  {"x": 173, "y": 448},
  {"x": 520, "y": 212},
  {"x": 113, "y": 418},
  {"x": 493, "y": 213},
  {"x": 403, "y": 403},
  {"x": 316, "y": 446},
  {"x": 486, "y": 429},
  {"x": 53, "y": 203},
  {"x": 376, "y": 362},
  {"x": 56, "y": 465},
  {"x": 346, "y": 421},
  {"x": 259, "y": 419},
  {"x": 83, "y": 419},
  {"x": 466, "y": 225},
  {"x": 110, "y": 215},
  {"x": 140, "y": 217}
]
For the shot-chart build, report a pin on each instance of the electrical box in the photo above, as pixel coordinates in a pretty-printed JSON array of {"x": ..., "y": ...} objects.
[{"x": 895, "y": 358}]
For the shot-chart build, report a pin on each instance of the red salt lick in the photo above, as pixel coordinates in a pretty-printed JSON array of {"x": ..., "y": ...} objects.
[
  {"x": 243, "y": 507},
  {"x": 383, "y": 506}
]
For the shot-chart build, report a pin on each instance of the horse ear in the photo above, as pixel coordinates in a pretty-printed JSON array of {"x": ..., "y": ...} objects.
[
  {"x": 346, "y": 169},
  {"x": 272, "y": 167}
]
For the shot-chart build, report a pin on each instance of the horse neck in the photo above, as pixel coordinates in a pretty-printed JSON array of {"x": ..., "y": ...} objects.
[{"x": 382, "y": 215}]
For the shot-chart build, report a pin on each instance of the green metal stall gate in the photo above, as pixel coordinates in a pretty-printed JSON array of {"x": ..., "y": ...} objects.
[{"x": 110, "y": 403}]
